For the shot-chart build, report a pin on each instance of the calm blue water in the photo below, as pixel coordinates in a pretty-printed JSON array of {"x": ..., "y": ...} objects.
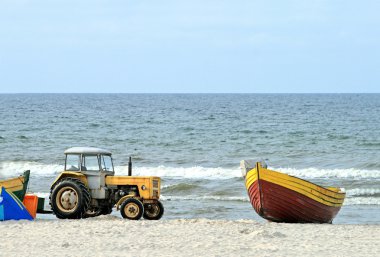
[{"x": 195, "y": 142}]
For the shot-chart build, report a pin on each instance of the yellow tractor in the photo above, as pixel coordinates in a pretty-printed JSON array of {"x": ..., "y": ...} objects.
[{"x": 87, "y": 187}]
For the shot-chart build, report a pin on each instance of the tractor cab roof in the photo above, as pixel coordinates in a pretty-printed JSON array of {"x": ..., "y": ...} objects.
[{"x": 87, "y": 150}]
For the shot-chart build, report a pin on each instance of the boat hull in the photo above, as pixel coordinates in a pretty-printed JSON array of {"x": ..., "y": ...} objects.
[
  {"x": 18, "y": 185},
  {"x": 282, "y": 198}
]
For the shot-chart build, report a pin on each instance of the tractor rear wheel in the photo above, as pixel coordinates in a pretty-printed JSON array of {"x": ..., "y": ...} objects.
[
  {"x": 153, "y": 211},
  {"x": 70, "y": 199},
  {"x": 132, "y": 209}
]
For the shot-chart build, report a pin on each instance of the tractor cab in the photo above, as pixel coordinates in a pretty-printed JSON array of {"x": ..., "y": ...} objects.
[{"x": 89, "y": 160}]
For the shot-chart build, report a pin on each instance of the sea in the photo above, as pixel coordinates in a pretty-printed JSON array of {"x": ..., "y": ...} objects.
[{"x": 195, "y": 142}]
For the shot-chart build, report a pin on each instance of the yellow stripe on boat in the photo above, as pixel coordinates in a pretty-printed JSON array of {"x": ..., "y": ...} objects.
[
  {"x": 326, "y": 196},
  {"x": 326, "y": 191},
  {"x": 251, "y": 178},
  {"x": 304, "y": 190}
]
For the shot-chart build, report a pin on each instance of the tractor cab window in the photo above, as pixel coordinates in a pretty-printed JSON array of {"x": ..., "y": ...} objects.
[
  {"x": 106, "y": 163},
  {"x": 72, "y": 162},
  {"x": 90, "y": 162}
]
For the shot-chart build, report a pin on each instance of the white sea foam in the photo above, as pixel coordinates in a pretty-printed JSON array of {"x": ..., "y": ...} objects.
[
  {"x": 362, "y": 201},
  {"x": 205, "y": 197},
  {"x": 362, "y": 192},
  {"x": 354, "y": 174},
  {"x": 181, "y": 172},
  {"x": 9, "y": 169},
  {"x": 225, "y": 173}
]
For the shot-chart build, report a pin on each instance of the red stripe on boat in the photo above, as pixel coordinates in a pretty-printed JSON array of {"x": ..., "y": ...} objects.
[{"x": 281, "y": 204}]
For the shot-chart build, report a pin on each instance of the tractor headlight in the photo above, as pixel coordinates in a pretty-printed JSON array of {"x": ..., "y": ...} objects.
[{"x": 143, "y": 187}]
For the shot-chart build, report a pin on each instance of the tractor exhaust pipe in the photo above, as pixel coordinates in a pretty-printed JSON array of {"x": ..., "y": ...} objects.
[{"x": 130, "y": 166}]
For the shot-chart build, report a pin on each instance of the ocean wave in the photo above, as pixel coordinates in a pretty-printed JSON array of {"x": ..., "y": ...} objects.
[
  {"x": 353, "y": 174},
  {"x": 11, "y": 169},
  {"x": 179, "y": 188},
  {"x": 225, "y": 173},
  {"x": 205, "y": 197},
  {"x": 362, "y": 201},
  {"x": 363, "y": 192},
  {"x": 182, "y": 172}
]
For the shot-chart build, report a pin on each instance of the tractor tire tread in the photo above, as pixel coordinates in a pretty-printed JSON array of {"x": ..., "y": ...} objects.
[{"x": 85, "y": 200}]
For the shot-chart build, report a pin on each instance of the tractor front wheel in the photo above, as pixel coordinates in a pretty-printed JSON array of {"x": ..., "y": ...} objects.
[
  {"x": 132, "y": 209},
  {"x": 153, "y": 211}
]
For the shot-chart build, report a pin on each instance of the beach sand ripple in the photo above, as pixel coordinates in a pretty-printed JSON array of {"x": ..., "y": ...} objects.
[{"x": 112, "y": 236}]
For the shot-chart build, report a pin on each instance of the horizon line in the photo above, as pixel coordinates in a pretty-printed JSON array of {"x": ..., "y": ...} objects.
[{"x": 187, "y": 93}]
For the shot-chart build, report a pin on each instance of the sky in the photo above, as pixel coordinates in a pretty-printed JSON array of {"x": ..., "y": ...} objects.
[{"x": 197, "y": 46}]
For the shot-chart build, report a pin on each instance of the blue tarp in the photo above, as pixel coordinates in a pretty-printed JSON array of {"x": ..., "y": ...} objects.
[{"x": 11, "y": 208}]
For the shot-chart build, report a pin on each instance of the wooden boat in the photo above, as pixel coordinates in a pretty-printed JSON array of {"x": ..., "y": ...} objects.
[
  {"x": 18, "y": 185},
  {"x": 279, "y": 197}
]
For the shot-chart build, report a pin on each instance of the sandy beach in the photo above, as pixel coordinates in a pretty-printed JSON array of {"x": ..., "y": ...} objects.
[{"x": 112, "y": 236}]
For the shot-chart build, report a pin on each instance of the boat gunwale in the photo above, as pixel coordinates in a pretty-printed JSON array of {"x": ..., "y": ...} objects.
[
  {"x": 10, "y": 180},
  {"x": 17, "y": 185},
  {"x": 323, "y": 187}
]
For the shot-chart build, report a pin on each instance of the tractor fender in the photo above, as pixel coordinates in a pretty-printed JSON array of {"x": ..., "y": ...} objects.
[
  {"x": 121, "y": 200},
  {"x": 70, "y": 174}
]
